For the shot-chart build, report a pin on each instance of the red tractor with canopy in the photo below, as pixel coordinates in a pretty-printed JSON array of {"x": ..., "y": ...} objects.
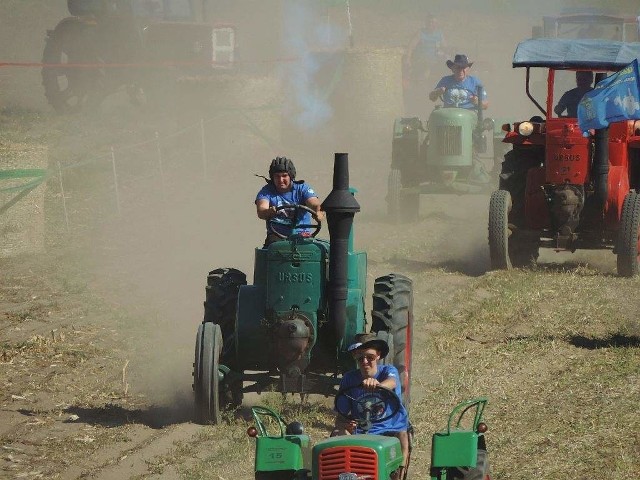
[{"x": 560, "y": 188}]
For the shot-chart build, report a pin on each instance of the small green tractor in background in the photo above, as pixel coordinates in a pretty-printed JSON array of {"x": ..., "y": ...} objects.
[
  {"x": 284, "y": 451},
  {"x": 143, "y": 46},
  {"x": 289, "y": 331},
  {"x": 440, "y": 156}
]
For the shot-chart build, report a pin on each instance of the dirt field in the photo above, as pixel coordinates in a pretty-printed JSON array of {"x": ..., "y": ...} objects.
[{"x": 97, "y": 331}]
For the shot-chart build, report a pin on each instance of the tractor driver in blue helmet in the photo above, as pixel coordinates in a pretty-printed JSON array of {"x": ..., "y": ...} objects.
[
  {"x": 282, "y": 189},
  {"x": 460, "y": 89},
  {"x": 368, "y": 352}
]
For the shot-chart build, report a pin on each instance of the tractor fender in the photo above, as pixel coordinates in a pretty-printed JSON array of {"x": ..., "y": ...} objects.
[{"x": 618, "y": 189}]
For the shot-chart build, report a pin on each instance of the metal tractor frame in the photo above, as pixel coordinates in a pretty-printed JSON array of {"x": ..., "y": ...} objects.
[
  {"x": 588, "y": 23},
  {"x": 559, "y": 189},
  {"x": 289, "y": 331}
]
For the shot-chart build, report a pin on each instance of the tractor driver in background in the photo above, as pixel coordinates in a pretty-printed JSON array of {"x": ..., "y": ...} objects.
[
  {"x": 460, "y": 79},
  {"x": 283, "y": 189},
  {"x": 425, "y": 50},
  {"x": 369, "y": 374},
  {"x": 571, "y": 98}
]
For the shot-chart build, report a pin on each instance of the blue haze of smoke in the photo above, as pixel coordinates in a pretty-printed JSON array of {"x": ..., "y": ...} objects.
[{"x": 307, "y": 29}]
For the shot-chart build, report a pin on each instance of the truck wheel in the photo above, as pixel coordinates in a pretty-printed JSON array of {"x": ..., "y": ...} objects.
[
  {"x": 206, "y": 379},
  {"x": 629, "y": 236},
  {"x": 482, "y": 470},
  {"x": 499, "y": 207},
  {"x": 393, "y": 312},
  {"x": 69, "y": 89}
]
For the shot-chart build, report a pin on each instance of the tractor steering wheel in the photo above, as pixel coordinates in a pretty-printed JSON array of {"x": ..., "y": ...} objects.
[
  {"x": 372, "y": 406},
  {"x": 454, "y": 97},
  {"x": 272, "y": 223}
]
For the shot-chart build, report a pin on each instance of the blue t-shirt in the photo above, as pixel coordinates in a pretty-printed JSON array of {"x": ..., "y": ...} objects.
[
  {"x": 467, "y": 87},
  {"x": 570, "y": 101},
  {"x": 298, "y": 195},
  {"x": 427, "y": 49},
  {"x": 398, "y": 422}
]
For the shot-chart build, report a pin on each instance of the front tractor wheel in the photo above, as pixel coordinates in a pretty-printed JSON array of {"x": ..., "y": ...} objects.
[
  {"x": 206, "y": 375},
  {"x": 393, "y": 313},
  {"x": 499, "y": 208},
  {"x": 628, "y": 247},
  {"x": 402, "y": 206}
]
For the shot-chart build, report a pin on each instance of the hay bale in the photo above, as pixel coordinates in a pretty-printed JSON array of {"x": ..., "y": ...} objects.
[
  {"x": 369, "y": 96},
  {"x": 22, "y": 225}
]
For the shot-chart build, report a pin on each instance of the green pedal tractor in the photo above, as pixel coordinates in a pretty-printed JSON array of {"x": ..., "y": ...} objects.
[
  {"x": 284, "y": 451},
  {"x": 289, "y": 331}
]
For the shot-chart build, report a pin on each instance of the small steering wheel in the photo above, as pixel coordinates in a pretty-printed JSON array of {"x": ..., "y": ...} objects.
[
  {"x": 271, "y": 223},
  {"x": 456, "y": 96},
  {"x": 372, "y": 406}
]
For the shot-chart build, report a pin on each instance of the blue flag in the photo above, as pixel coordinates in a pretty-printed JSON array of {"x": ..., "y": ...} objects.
[{"x": 613, "y": 99}]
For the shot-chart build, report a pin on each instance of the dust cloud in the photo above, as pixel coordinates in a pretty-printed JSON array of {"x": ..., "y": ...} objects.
[{"x": 185, "y": 208}]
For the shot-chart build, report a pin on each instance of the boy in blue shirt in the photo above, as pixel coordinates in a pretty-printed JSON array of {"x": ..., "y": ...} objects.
[
  {"x": 283, "y": 189},
  {"x": 460, "y": 80},
  {"x": 370, "y": 375}
]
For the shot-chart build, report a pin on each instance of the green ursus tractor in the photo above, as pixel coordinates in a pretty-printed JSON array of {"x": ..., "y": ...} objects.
[
  {"x": 288, "y": 332},
  {"x": 444, "y": 155}
]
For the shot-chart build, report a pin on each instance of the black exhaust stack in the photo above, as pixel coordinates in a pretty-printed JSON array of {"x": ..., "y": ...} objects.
[
  {"x": 340, "y": 207},
  {"x": 479, "y": 139},
  {"x": 601, "y": 169},
  {"x": 601, "y": 164}
]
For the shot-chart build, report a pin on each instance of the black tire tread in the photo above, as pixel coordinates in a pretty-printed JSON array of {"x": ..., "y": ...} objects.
[
  {"x": 393, "y": 312},
  {"x": 221, "y": 297},
  {"x": 627, "y": 248},
  {"x": 499, "y": 206}
]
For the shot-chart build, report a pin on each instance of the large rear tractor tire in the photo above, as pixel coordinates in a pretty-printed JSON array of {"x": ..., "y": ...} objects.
[
  {"x": 393, "y": 313},
  {"x": 221, "y": 298},
  {"x": 206, "y": 373},
  {"x": 220, "y": 306},
  {"x": 628, "y": 247},
  {"x": 499, "y": 208},
  {"x": 70, "y": 89}
]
